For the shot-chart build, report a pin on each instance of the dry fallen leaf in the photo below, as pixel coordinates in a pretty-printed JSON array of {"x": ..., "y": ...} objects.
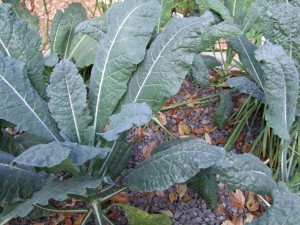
[
  {"x": 237, "y": 198},
  {"x": 249, "y": 217},
  {"x": 207, "y": 138},
  {"x": 227, "y": 222},
  {"x": 162, "y": 118},
  {"x": 207, "y": 129},
  {"x": 221, "y": 140},
  {"x": 79, "y": 219},
  {"x": 198, "y": 130},
  {"x": 119, "y": 199},
  {"x": 251, "y": 203},
  {"x": 168, "y": 213},
  {"x": 181, "y": 190},
  {"x": 172, "y": 197},
  {"x": 183, "y": 129},
  {"x": 240, "y": 221},
  {"x": 147, "y": 149},
  {"x": 246, "y": 147}
]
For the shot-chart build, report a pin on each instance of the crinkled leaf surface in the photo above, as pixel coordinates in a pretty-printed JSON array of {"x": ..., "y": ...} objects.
[
  {"x": 175, "y": 165},
  {"x": 17, "y": 182},
  {"x": 224, "y": 110},
  {"x": 245, "y": 50},
  {"x": 168, "y": 144},
  {"x": 22, "y": 43},
  {"x": 215, "y": 32},
  {"x": 280, "y": 26},
  {"x": 167, "y": 61},
  {"x": 246, "y": 172},
  {"x": 20, "y": 103},
  {"x": 9, "y": 144},
  {"x": 57, "y": 190},
  {"x": 23, "y": 13},
  {"x": 256, "y": 11},
  {"x": 215, "y": 6},
  {"x": 200, "y": 71},
  {"x": 284, "y": 210},
  {"x": 244, "y": 85},
  {"x": 52, "y": 154},
  {"x": 95, "y": 28},
  {"x": 205, "y": 182},
  {"x": 281, "y": 87},
  {"x": 63, "y": 28},
  {"x": 136, "y": 216},
  {"x": 118, "y": 54},
  {"x": 67, "y": 103},
  {"x": 133, "y": 114}
]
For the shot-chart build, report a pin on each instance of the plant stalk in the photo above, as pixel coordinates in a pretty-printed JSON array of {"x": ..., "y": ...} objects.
[
  {"x": 163, "y": 127},
  {"x": 87, "y": 216},
  {"x": 99, "y": 217},
  {"x": 63, "y": 210},
  {"x": 188, "y": 102}
]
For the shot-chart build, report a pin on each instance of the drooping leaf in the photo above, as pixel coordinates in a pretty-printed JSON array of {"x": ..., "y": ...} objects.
[
  {"x": 22, "y": 43},
  {"x": 166, "y": 14},
  {"x": 205, "y": 182},
  {"x": 200, "y": 71},
  {"x": 244, "y": 85},
  {"x": 17, "y": 182},
  {"x": 4, "y": 123},
  {"x": 158, "y": 77},
  {"x": 175, "y": 165},
  {"x": 9, "y": 145},
  {"x": 280, "y": 26},
  {"x": 57, "y": 190},
  {"x": 118, "y": 54},
  {"x": 67, "y": 103},
  {"x": 20, "y": 104},
  {"x": 133, "y": 114},
  {"x": 215, "y": 32},
  {"x": 48, "y": 155},
  {"x": 168, "y": 144},
  {"x": 63, "y": 28},
  {"x": 95, "y": 28},
  {"x": 210, "y": 61},
  {"x": 51, "y": 60},
  {"x": 215, "y": 6},
  {"x": 136, "y": 216},
  {"x": 23, "y": 13},
  {"x": 284, "y": 210},
  {"x": 224, "y": 110},
  {"x": 281, "y": 87},
  {"x": 28, "y": 140},
  {"x": 52, "y": 154},
  {"x": 245, "y": 172},
  {"x": 245, "y": 50}
]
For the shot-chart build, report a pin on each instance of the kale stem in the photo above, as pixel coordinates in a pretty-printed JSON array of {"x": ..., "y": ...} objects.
[
  {"x": 198, "y": 100},
  {"x": 62, "y": 210},
  {"x": 163, "y": 127}
]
